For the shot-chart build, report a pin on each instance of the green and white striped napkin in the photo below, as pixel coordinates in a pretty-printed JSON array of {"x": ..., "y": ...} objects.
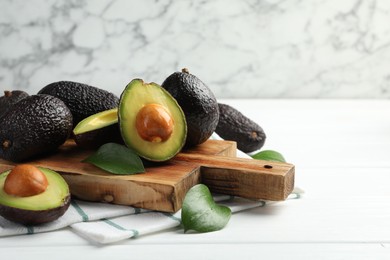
[
  {"x": 79, "y": 211},
  {"x": 106, "y": 223}
]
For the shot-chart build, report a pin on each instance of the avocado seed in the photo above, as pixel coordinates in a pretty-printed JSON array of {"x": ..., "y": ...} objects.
[
  {"x": 25, "y": 180},
  {"x": 154, "y": 123}
]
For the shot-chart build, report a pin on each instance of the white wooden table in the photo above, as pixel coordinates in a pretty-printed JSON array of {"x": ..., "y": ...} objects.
[{"x": 341, "y": 149}]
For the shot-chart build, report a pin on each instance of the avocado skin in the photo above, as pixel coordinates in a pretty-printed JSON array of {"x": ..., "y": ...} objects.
[
  {"x": 9, "y": 99},
  {"x": 82, "y": 100},
  {"x": 36, "y": 125},
  {"x": 234, "y": 126},
  {"x": 198, "y": 104},
  {"x": 34, "y": 217},
  {"x": 96, "y": 138}
]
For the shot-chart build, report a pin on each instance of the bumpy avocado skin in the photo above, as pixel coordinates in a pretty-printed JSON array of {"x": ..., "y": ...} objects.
[
  {"x": 82, "y": 100},
  {"x": 36, "y": 217},
  {"x": 198, "y": 103},
  {"x": 36, "y": 125},
  {"x": 9, "y": 99},
  {"x": 234, "y": 126}
]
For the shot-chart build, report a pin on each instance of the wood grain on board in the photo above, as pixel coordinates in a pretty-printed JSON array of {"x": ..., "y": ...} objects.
[{"x": 163, "y": 186}]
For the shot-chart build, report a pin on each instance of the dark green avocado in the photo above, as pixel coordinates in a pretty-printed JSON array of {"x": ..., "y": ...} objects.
[
  {"x": 234, "y": 126},
  {"x": 98, "y": 129},
  {"x": 151, "y": 121},
  {"x": 37, "y": 209},
  {"x": 198, "y": 103},
  {"x": 36, "y": 125},
  {"x": 82, "y": 100},
  {"x": 9, "y": 99}
]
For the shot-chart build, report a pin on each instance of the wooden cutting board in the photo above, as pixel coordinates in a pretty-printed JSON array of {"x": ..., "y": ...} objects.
[{"x": 163, "y": 186}]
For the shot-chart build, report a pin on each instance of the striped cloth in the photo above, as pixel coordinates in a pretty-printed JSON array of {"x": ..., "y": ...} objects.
[{"x": 106, "y": 223}]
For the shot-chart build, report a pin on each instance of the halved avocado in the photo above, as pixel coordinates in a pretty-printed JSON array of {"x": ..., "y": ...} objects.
[
  {"x": 36, "y": 209},
  {"x": 98, "y": 129},
  {"x": 151, "y": 121}
]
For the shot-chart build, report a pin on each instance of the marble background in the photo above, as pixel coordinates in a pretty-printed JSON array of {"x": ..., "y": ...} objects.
[{"x": 239, "y": 48}]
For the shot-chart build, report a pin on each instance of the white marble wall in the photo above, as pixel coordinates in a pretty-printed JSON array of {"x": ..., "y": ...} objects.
[{"x": 240, "y": 48}]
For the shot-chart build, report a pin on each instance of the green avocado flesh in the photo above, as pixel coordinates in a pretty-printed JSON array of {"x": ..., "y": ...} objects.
[
  {"x": 98, "y": 129},
  {"x": 138, "y": 94},
  {"x": 97, "y": 121},
  {"x": 55, "y": 194}
]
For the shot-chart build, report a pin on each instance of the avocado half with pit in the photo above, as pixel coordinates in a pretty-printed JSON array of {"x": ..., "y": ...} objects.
[
  {"x": 98, "y": 129},
  {"x": 26, "y": 204},
  {"x": 151, "y": 121}
]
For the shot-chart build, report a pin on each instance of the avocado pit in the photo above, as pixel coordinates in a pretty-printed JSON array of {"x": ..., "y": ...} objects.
[
  {"x": 154, "y": 123},
  {"x": 25, "y": 180}
]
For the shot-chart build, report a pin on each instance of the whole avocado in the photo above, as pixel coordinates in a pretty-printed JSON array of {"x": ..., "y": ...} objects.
[
  {"x": 9, "y": 99},
  {"x": 234, "y": 126},
  {"x": 198, "y": 103},
  {"x": 82, "y": 100},
  {"x": 36, "y": 125}
]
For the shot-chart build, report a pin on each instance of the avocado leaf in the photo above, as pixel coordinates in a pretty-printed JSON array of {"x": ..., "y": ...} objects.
[
  {"x": 200, "y": 213},
  {"x": 269, "y": 155},
  {"x": 116, "y": 159}
]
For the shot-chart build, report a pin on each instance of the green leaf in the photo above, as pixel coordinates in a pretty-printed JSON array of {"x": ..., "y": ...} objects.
[
  {"x": 269, "y": 155},
  {"x": 116, "y": 159},
  {"x": 200, "y": 213}
]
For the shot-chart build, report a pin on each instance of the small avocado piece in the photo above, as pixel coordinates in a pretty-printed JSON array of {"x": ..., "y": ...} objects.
[
  {"x": 234, "y": 126},
  {"x": 37, "y": 208},
  {"x": 9, "y": 99},
  {"x": 82, "y": 100},
  {"x": 198, "y": 103},
  {"x": 36, "y": 125},
  {"x": 98, "y": 129},
  {"x": 151, "y": 121}
]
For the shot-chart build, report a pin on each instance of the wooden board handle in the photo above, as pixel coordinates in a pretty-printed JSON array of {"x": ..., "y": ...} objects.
[{"x": 247, "y": 178}]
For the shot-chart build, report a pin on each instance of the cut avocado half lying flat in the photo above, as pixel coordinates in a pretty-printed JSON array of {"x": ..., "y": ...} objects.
[
  {"x": 97, "y": 121},
  {"x": 44, "y": 207},
  {"x": 151, "y": 121},
  {"x": 98, "y": 129}
]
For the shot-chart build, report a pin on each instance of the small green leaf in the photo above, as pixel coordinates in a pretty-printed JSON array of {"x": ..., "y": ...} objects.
[
  {"x": 200, "y": 213},
  {"x": 116, "y": 159},
  {"x": 269, "y": 155}
]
